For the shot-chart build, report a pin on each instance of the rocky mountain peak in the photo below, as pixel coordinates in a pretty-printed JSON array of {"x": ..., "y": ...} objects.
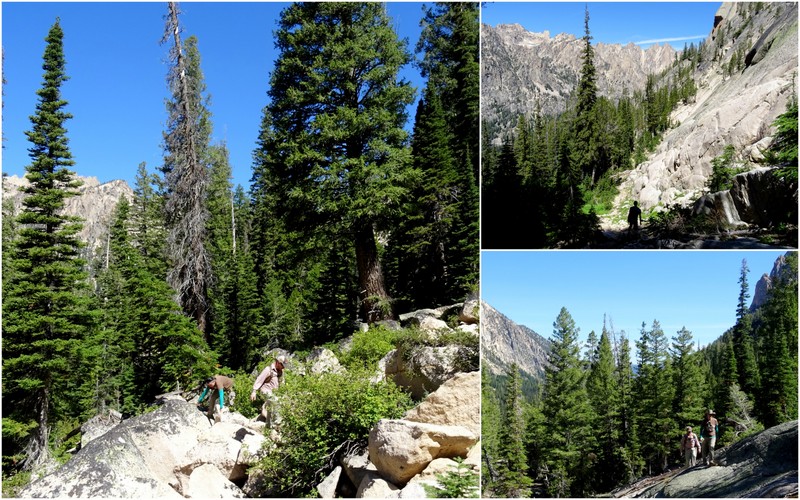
[
  {"x": 780, "y": 271},
  {"x": 94, "y": 204},
  {"x": 521, "y": 68}
]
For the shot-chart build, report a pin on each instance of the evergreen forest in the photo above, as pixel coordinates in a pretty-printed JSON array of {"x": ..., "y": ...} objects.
[
  {"x": 349, "y": 218},
  {"x": 606, "y": 415},
  {"x": 552, "y": 176}
]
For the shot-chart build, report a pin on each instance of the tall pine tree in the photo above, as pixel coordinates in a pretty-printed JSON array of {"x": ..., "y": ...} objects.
[
  {"x": 568, "y": 413},
  {"x": 513, "y": 480},
  {"x": 332, "y": 141},
  {"x": 47, "y": 311}
]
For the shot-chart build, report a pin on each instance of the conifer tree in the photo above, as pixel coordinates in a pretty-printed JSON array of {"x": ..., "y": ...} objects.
[
  {"x": 749, "y": 379},
  {"x": 422, "y": 245},
  {"x": 490, "y": 428},
  {"x": 147, "y": 230},
  {"x": 728, "y": 379},
  {"x": 629, "y": 442},
  {"x": 655, "y": 395},
  {"x": 334, "y": 144},
  {"x": 233, "y": 300},
  {"x": 450, "y": 42},
  {"x": 148, "y": 347},
  {"x": 778, "y": 396},
  {"x": 567, "y": 411},
  {"x": 603, "y": 387},
  {"x": 46, "y": 308},
  {"x": 187, "y": 175},
  {"x": 689, "y": 384},
  {"x": 583, "y": 153},
  {"x": 513, "y": 480}
]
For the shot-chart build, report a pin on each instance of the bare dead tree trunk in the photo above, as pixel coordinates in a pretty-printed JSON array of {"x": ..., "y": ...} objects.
[
  {"x": 187, "y": 181},
  {"x": 375, "y": 304}
]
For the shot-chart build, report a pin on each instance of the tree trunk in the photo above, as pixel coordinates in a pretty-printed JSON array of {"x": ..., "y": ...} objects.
[
  {"x": 375, "y": 305},
  {"x": 37, "y": 452}
]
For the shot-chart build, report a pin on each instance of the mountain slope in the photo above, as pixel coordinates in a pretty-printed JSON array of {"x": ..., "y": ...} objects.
[
  {"x": 736, "y": 109},
  {"x": 504, "y": 343}
]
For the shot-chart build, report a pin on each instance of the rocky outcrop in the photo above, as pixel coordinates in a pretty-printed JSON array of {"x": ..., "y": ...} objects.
[
  {"x": 405, "y": 455},
  {"x": 167, "y": 453},
  {"x": 422, "y": 369},
  {"x": 760, "y": 466},
  {"x": 504, "y": 343},
  {"x": 780, "y": 271},
  {"x": 736, "y": 109},
  {"x": 456, "y": 402},
  {"x": 94, "y": 204},
  {"x": 758, "y": 197}
]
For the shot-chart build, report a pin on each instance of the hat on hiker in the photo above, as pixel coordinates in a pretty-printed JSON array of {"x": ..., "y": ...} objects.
[
  {"x": 281, "y": 359},
  {"x": 710, "y": 412},
  {"x": 689, "y": 428}
]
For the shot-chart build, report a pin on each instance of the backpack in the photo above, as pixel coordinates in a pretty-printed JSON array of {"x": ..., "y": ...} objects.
[{"x": 711, "y": 426}]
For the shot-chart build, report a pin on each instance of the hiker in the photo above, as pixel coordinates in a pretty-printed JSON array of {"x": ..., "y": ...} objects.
[
  {"x": 708, "y": 436},
  {"x": 690, "y": 446},
  {"x": 216, "y": 385},
  {"x": 634, "y": 217},
  {"x": 268, "y": 380}
]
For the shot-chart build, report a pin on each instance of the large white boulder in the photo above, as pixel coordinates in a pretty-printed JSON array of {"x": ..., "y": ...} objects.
[
  {"x": 401, "y": 449},
  {"x": 455, "y": 402}
]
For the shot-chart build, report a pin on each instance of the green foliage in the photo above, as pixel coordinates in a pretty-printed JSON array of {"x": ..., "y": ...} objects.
[
  {"x": 331, "y": 163},
  {"x": 47, "y": 309},
  {"x": 242, "y": 386},
  {"x": 320, "y": 413},
  {"x": 13, "y": 484},
  {"x": 723, "y": 170},
  {"x": 567, "y": 412},
  {"x": 512, "y": 463},
  {"x": 462, "y": 482},
  {"x": 369, "y": 347},
  {"x": 783, "y": 152},
  {"x": 600, "y": 198}
]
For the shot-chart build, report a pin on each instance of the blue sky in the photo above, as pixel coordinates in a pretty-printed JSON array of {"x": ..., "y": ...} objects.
[
  {"x": 695, "y": 289},
  {"x": 117, "y": 71},
  {"x": 611, "y": 22}
]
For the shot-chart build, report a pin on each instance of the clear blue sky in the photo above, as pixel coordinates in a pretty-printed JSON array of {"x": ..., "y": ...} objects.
[
  {"x": 117, "y": 71},
  {"x": 611, "y": 22},
  {"x": 695, "y": 289}
]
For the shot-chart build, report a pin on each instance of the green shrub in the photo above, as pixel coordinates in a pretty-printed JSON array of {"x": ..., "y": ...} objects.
[
  {"x": 319, "y": 413},
  {"x": 242, "y": 386},
  {"x": 369, "y": 347},
  {"x": 459, "y": 483},
  {"x": 723, "y": 170},
  {"x": 13, "y": 484}
]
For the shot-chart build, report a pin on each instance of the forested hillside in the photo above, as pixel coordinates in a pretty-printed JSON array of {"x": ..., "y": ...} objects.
[
  {"x": 349, "y": 219},
  {"x": 566, "y": 173},
  {"x": 608, "y": 414}
]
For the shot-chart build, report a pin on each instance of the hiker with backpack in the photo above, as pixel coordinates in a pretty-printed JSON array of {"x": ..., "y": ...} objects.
[
  {"x": 216, "y": 385},
  {"x": 270, "y": 378},
  {"x": 690, "y": 446},
  {"x": 708, "y": 436}
]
